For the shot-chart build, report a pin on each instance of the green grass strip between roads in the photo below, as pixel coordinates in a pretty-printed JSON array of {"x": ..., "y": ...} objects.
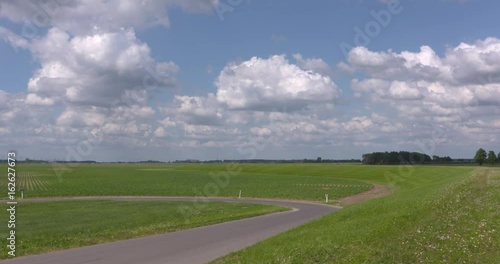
[{"x": 47, "y": 226}]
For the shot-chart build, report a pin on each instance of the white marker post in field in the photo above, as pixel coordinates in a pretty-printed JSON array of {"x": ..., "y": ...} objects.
[
  {"x": 326, "y": 198},
  {"x": 239, "y": 196}
]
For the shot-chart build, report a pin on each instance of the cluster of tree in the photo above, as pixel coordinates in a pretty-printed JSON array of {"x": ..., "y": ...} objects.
[
  {"x": 437, "y": 159},
  {"x": 401, "y": 157},
  {"x": 481, "y": 157}
]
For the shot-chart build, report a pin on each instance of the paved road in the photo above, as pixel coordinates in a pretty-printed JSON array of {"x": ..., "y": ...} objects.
[{"x": 197, "y": 245}]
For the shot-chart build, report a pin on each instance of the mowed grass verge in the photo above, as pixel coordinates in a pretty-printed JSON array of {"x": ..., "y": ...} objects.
[
  {"x": 286, "y": 181},
  {"x": 435, "y": 215},
  {"x": 46, "y": 226}
]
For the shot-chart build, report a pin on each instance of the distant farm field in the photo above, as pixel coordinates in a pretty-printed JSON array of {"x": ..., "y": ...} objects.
[{"x": 287, "y": 181}]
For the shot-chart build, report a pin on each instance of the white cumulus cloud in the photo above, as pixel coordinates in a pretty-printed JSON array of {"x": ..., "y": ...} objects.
[{"x": 272, "y": 84}]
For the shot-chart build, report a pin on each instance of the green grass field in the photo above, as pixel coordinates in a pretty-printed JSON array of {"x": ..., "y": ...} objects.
[
  {"x": 435, "y": 215},
  {"x": 46, "y": 226},
  {"x": 299, "y": 182}
]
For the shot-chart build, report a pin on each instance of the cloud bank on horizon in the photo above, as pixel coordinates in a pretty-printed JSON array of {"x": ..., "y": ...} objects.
[{"x": 116, "y": 80}]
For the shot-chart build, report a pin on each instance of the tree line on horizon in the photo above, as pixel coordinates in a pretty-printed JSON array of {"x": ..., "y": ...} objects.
[
  {"x": 406, "y": 157},
  {"x": 400, "y": 157}
]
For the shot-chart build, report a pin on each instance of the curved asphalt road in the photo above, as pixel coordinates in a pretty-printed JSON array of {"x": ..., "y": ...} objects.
[{"x": 197, "y": 245}]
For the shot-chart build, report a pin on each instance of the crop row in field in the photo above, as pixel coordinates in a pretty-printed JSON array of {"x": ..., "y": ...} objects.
[{"x": 191, "y": 180}]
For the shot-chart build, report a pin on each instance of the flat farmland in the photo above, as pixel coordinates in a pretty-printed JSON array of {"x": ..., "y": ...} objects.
[
  {"x": 299, "y": 182},
  {"x": 433, "y": 214}
]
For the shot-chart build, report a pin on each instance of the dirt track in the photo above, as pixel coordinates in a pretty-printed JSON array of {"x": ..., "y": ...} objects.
[{"x": 377, "y": 191}]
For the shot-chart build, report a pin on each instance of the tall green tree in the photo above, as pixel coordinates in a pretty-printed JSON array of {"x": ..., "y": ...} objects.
[
  {"x": 480, "y": 156},
  {"x": 492, "y": 158}
]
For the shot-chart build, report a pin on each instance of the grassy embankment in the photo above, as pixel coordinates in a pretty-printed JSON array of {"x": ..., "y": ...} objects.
[{"x": 435, "y": 215}]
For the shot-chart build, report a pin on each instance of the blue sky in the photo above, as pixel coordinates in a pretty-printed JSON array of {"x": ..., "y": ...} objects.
[{"x": 267, "y": 79}]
